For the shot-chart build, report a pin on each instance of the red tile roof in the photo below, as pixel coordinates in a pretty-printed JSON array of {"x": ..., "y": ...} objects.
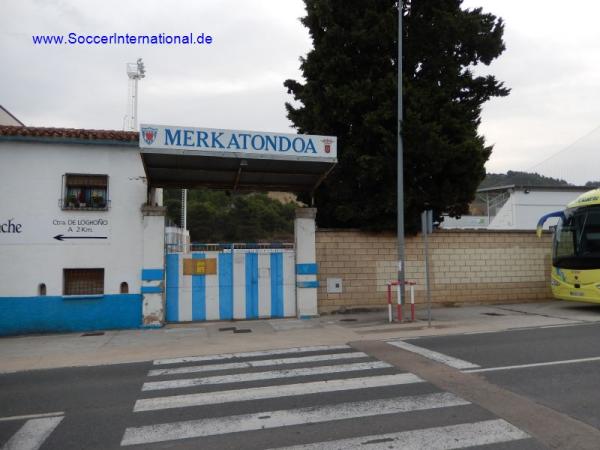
[{"x": 69, "y": 133}]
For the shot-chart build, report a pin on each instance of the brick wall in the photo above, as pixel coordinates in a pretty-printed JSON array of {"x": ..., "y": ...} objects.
[{"x": 467, "y": 267}]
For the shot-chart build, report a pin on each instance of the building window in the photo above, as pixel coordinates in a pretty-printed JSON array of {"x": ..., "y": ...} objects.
[
  {"x": 42, "y": 289},
  {"x": 83, "y": 281},
  {"x": 84, "y": 191},
  {"x": 124, "y": 288}
]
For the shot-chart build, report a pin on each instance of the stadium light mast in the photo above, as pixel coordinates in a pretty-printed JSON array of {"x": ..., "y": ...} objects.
[{"x": 135, "y": 72}]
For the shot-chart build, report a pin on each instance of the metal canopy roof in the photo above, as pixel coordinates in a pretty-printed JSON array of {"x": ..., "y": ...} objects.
[{"x": 236, "y": 171}]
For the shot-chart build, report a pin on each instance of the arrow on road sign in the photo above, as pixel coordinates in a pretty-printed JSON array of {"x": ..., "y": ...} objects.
[{"x": 60, "y": 237}]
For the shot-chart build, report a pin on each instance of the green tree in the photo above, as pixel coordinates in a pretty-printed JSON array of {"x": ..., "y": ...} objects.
[
  {"x": 219, "y": 216},
  {"x": 351, "y": 92}
]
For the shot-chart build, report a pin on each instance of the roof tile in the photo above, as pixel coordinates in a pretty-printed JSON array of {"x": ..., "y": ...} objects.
[{"x": 70, "y": 133}]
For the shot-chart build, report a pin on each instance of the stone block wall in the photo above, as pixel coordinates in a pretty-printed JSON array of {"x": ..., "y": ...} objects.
[{"x": 467, "y": 267}]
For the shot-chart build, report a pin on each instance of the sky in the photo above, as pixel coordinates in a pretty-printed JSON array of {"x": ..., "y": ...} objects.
[{"x": 549, "y": 123}]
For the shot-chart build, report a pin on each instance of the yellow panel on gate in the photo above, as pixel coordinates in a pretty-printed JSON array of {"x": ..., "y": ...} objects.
[{"x": 200, "y": 266}]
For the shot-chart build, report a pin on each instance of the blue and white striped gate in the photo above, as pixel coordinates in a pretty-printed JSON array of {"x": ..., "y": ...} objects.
[{"x": 250, "y": 283}]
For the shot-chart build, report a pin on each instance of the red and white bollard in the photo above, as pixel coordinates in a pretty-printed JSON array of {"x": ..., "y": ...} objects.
[
  {"x": 389, "y": 299},
  {"x": 399, "y": 302},
  {"x": 412, "y": 302}
]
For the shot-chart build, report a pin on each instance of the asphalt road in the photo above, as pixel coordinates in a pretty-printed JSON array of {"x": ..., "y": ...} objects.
[
  {"x": 313, "y": 398},
  {"x": 556, "y": 366},
  {"x": 96, "y": 401}
]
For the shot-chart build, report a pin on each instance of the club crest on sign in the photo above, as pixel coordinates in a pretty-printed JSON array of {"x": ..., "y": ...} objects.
[
  {"x": 149, "y": 135},
  {"x": 327, "y": 143}
]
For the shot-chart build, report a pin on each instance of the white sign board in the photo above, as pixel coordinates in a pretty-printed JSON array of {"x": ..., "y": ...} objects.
[
  {"x": 250, "y": 143},
  {"x": 60, "y": 230}
]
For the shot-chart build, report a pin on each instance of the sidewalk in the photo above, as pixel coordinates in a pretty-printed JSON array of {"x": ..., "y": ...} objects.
[{"x": 112, "y": 347}]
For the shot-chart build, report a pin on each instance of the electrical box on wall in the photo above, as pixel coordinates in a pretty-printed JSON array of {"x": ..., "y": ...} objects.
[{"x": 334, "y": 285}]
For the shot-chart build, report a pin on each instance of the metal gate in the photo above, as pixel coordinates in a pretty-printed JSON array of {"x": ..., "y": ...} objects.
[{"x": 230, "y": 281}]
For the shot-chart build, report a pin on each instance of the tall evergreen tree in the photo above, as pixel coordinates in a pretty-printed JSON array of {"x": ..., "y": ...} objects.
[{"x": 350, "y": 91}]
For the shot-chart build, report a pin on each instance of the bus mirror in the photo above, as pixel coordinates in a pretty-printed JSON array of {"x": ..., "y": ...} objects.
[{"x": 552, "y": 228}]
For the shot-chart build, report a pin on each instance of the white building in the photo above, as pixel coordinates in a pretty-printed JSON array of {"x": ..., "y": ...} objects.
[
  {"x": 516, "y": 207},
  {"x": 80, "y": 248},
  {"x": 82, "y": 229}
]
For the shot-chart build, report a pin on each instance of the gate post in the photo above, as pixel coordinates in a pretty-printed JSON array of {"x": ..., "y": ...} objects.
[
  {"x": 306, "y": 265},
  {"x": 153, "y": 264}
]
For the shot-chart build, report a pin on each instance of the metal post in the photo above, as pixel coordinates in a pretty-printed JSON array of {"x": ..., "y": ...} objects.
[
  {"x": 400, "y": 168},
  {"x": 184, "y": 209},
  {"x": 426, "y": 217},
  {"x": 487, "y": 201}
]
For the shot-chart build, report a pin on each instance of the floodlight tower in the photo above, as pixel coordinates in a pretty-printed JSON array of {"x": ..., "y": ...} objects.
[{"x": 135, "y": 71}]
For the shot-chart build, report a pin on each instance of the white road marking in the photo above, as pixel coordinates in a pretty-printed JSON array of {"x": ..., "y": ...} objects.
[
  {"x": 563, "y": 325},
  {"x": 280, "y": 351},
  {"x": 435, "y": 356},
  {"x": 32, "y": 434},
  {"x": 32, "y": 416},
  {"x": 259, "y": 363},
  {"x": 438, "y": 438},
  {"x": 542, "y": 364},
  {"x": 282, "y": 418},
  {"x": 240, "y": 395},
  {"x": 269, "y": 375},
  {"x": 470, "y": 333}
]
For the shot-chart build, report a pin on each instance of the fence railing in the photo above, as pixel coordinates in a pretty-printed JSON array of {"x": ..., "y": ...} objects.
[{"x": 222, "y": 247}]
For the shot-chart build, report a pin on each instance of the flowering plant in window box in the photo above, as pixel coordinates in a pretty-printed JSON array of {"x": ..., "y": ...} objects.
[
  {"x": 72, "y": 201},
  {"x": 98, "y": 201}
]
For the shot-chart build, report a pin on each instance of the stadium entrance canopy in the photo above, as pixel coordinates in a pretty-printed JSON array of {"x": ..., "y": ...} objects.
[{"x": 183, "y": 157}]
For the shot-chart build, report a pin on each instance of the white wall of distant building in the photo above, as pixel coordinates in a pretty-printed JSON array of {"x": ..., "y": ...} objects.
[{"x": 524, "y": 208}]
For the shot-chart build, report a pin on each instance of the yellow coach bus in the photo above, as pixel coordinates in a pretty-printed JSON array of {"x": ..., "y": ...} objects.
[{"x": 576, "y": 249}]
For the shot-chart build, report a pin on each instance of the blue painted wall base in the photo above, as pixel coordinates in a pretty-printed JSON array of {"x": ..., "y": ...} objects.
[{"x": 22, "y": 315}]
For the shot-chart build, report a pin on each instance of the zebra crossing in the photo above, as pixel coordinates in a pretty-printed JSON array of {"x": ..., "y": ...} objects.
[
  {"x": 319, "y": 397},
  {"x": 33, "y": 432}
]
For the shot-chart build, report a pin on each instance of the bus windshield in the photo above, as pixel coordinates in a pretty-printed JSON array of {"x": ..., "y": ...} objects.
[{"x": 577, "y": 239}]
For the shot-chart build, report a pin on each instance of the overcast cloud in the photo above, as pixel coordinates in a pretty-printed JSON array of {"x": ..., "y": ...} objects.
[{"x": 552, "y": 65}]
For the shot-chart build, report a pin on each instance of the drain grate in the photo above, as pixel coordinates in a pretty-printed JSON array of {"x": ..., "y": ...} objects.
[
  {"x": 348, "y": 320},
  {"x": 244, "y": 330},
  {"x": 95, "y": 333},
  {"x": 227, "y": 329},
  {"x": 493, "y": 314}
]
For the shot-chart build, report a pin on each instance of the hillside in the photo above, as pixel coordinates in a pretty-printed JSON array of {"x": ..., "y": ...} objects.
[{"x": 520, "y": 178}]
